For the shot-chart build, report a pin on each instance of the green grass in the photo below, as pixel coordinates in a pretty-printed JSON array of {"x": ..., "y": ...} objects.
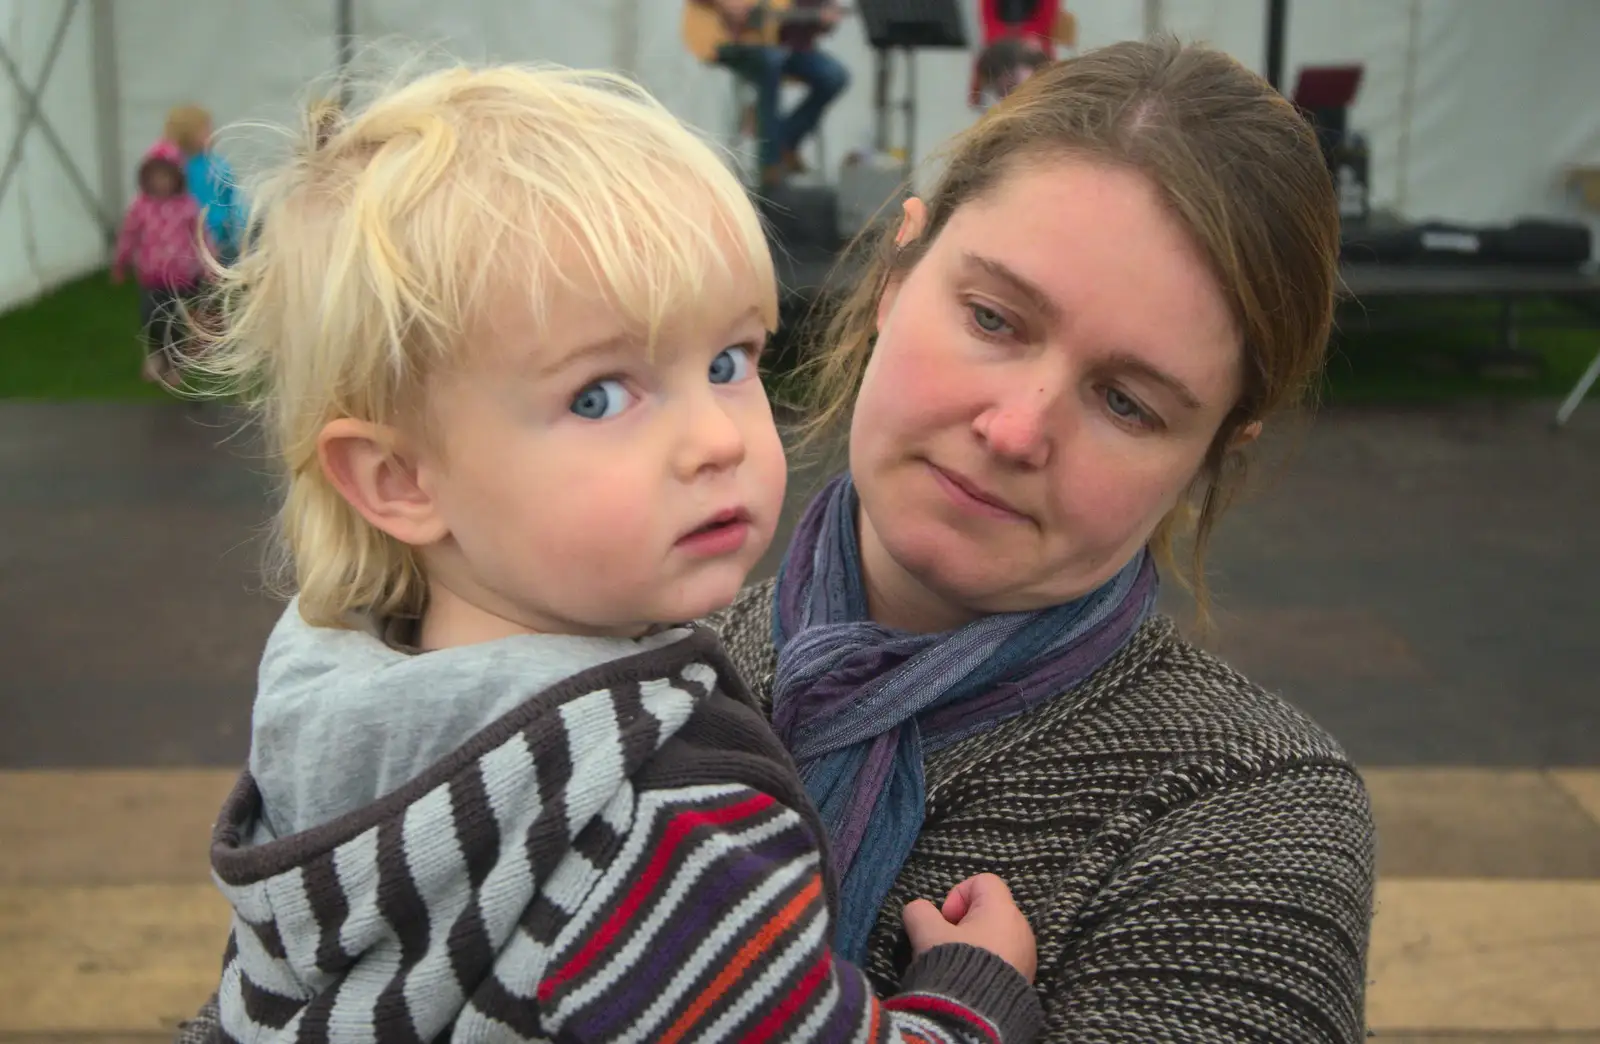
[
  {"x": 1449, "y": 351},
  {"x": 81, "y": 342}
]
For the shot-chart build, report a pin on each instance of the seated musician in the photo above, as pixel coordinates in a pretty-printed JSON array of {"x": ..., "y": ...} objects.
[
  {"x": 796, "y": 56},
  {"x": 1018, "y": 37},
  {"x": 1002, "y": 66}
]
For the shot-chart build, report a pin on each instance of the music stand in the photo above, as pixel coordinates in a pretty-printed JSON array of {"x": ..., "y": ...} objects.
[
  {"x": 908, "y": 26},
  {"x": 1324, "y": 93}
]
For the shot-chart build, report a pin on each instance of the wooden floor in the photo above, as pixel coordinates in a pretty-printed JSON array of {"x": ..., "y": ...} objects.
[{"x": 1488, "y": 925}]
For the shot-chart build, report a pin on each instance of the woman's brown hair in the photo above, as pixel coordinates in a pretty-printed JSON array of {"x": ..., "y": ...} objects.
[{"x": 1241, "y": 171}]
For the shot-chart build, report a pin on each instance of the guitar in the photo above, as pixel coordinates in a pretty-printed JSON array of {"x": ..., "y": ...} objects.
[{"x": 706, "y": 32}]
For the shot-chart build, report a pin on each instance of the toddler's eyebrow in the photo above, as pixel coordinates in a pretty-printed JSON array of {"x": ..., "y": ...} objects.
[{"x": 612, "y": 345}]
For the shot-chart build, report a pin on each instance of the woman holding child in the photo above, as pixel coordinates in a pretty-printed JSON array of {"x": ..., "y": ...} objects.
[
  {"x": 1052, "y": 368},
  {"x": 1063, "y": 354}
]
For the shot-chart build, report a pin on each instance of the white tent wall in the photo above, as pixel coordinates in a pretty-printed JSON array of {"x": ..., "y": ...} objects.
[
  {"x": 48, "y": 230},
  {"x": 244, "y": 60},
  {"x": 1505, "y": 102},
  {"x": 1473, "y": 108}
]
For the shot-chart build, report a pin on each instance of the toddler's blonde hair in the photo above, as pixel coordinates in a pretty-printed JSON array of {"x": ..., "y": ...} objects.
[
  {"x": 186, "y": 127},
  {"x": 376, "y": 247}
]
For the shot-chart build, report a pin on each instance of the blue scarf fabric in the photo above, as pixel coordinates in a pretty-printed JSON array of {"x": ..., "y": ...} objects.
[{"x": 858, "y": 704}]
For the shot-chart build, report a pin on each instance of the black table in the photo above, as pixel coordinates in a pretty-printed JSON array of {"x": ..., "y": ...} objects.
[{"x": 1507, "y": 284}]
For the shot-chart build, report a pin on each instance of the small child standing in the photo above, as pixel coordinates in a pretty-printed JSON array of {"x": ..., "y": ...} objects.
[
  {"x": 161, "y": 239},
  {"x": 503, "y": 327},
  {"x": 209, "y": 179}
]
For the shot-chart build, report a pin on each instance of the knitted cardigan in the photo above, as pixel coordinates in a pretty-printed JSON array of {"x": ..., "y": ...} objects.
[
  {"x": 627, "y": 855},
  {"x": 1196, "y": 856}
]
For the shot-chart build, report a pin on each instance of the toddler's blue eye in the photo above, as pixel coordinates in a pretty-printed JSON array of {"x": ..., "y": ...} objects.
[
  {"x": 730, "y": 365},
  {"x": 601, "y": 399}
]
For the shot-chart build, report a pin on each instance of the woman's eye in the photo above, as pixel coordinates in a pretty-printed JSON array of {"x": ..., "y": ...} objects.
[
  {"x": 601, "y": 399},
  {"x": 1123, "y": 406},
  {"x": 730, "y": 365},
  {"x": 989, "y": 320}
]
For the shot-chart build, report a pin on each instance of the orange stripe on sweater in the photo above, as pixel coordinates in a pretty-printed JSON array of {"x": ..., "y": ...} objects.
[
  {"x": 678, "y": 828},
  {"x": 780, "y": 1016},
  {"x": 752, "y": 950}
]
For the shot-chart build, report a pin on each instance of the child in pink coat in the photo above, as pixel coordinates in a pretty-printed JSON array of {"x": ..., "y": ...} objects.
[{"x": 161, "y": 238}]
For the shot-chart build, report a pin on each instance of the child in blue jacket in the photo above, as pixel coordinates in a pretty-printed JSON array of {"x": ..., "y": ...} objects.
[{"x": 209, "y": 178}]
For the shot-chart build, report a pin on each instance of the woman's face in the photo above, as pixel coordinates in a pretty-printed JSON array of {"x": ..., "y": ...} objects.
[{"x": 1045, "y": 385}]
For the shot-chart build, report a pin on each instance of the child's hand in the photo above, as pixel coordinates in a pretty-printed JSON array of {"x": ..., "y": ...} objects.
[{"x": 980, "y": 912}]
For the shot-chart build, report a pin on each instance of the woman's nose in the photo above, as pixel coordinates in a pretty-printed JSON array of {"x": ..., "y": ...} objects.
[{"x": 1018, "y": 429}]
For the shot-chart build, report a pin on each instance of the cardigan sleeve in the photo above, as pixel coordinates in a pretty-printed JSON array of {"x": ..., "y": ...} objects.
[
  {"x": 729, "y": 879},
  {"x": 1231, "y": 911}
]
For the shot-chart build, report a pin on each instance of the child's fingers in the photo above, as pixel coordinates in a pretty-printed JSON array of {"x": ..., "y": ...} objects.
[
  {"x": 926, "y": 927},
  {"x": 987, "y": 889},
  {"x": 958, "y": 902},
  {"x": 982, "y": 893}
]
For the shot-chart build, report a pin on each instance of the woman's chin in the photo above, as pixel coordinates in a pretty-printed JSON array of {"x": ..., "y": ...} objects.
[
  {"x": 983, "y": 579},
  {"x": 947, "y": 563}
]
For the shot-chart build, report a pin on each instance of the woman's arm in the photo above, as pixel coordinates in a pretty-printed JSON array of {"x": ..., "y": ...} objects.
[{"x": 1240, "y": 914}]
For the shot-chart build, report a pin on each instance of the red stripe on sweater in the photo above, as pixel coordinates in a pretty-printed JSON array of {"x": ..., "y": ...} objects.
[
  {"x": 678, "y": 828},
  {"x": 923, "y": 1003},
  {"x": 779, "y": 1016},
  {"x": 755, "y": 948}
]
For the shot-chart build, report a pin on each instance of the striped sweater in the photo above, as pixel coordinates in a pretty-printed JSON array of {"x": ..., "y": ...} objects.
[
  {"x": 627, "y": 856},
  {"x": 1195, "y": 855}
]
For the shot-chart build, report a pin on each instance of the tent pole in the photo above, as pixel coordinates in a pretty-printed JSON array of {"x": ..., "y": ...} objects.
[
  {"x": 107, "y": 113},
  {"x": 344, "y": 19},
  {"x": 625, "y": 38},
  {"x": 1408, "y": 94},
  {"x": 1152, "y": 19},
  {"x": 1277, "y": 21}
]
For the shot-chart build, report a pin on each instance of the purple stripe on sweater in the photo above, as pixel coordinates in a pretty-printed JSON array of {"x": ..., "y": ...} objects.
[
  {"x": 692, "y": 923},
  {"x": 851, "y": 1011}
]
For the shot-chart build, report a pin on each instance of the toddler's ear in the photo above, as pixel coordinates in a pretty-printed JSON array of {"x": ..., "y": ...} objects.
[{"x": 368, "y": 465}]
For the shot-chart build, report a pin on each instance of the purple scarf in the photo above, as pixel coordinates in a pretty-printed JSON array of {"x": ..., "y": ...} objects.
[{"x": 858, "y": 704}]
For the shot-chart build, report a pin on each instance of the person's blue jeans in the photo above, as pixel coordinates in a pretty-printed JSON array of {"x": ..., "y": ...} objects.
[{"x": 824, "y": 76}]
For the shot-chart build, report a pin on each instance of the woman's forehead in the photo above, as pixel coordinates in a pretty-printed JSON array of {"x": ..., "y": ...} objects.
[{"x": 1095, "y": 247}]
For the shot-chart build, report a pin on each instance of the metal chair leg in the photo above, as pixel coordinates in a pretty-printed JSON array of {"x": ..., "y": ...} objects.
[{"x": 1578, "y": 392}]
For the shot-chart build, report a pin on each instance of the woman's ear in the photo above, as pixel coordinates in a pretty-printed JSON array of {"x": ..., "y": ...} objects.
[
  {"x": 913, "y": 221},
  {"x": 914, "y": 218},
  {"x": 1245, "y": 436},
  {"x": 367, "y": 465}
]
